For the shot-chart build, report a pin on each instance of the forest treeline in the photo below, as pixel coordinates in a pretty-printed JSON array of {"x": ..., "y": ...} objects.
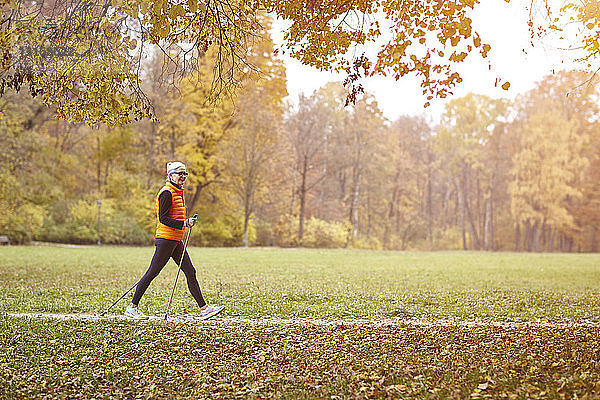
[{"x": 492, "y": 175}]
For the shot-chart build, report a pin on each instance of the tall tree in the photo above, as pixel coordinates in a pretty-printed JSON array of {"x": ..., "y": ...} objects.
[
  {"x": 328, "y": 201},
  {"x": 198, "y": 126},
  {"x": 408, "y": 190},
  {"x": 545, "y": 171},
  {"x": 306, "y": 129},
  {"x": 466, "y": 129},
  {"x": 363, "y": 127},
  {"x": 249, "y": 152},
  {"x": 573, "y": 107}
]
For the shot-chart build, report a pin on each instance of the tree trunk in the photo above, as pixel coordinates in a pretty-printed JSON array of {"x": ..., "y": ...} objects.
[
  {"x": 429, "y": 206},
  {"x": 387, "y": 229},
  {"x": 461, "y": 205},
  {"x": 323, "y": 186},
  {"x": 538, "y": 231},
  {"x": 99, "y": 168},
  {"x": 475, "y": 241},
  {"x": 245, "y": 237},
  {"x": 403, "y": 240},
  {"x": 247, "y": 208},
  {"x": 293, "y": 196},
  {"x": 199, "y": 188},
  {"x": 561, "y": 242},
  {"x": 517, "y": 235},
  {"x": 106, "y": 172},
  {"x": 447, "y": 207},
  {"x": 492, "y": 224},
  {"x": 456, "y": 213},
  {"x": 594, "y": 240},
  {"x": 302, "y": 201},
  {"x": 151, "y": 154},
  {"x": 356, "y": 186},
  {"x": 486, "y": 226},
  {"x": 354, "y": 209},
  {"x": 528, "y": 236},
  {"x": 481, "y": 209},
  {"x": 173, "y": 144},
  {"x": 368, "y": 213},
  {"x": 390, "y": 215},
  {"x": 550, "y": 239},
  {"x": 569, "y": 243}
]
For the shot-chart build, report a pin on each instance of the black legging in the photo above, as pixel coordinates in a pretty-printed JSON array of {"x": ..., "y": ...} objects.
[{"x": 166, "y": 249}]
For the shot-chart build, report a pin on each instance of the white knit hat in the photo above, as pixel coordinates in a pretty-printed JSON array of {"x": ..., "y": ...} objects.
[{"x": 172, "y": 166}]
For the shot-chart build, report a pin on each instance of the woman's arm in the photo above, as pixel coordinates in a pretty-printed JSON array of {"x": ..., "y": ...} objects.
[{"x": 164, "y": 205}]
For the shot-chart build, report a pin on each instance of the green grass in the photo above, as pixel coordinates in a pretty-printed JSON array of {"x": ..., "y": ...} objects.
[
  {"x": 43, "y": 358},
  {"x": 310, "y": 283}
]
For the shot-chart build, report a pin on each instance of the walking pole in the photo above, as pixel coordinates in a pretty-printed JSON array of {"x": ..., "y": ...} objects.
[
  {"x": 179, "y": 268},
  {"x": 120, "y": 298}
]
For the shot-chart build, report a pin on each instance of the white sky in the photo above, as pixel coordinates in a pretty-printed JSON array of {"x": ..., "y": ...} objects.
[{"x": 502, "y": 25}]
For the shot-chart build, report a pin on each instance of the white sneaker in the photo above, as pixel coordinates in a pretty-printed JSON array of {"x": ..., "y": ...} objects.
[
  {"x": 134, "y": 313},
  {"x": 210, "y": 312}
]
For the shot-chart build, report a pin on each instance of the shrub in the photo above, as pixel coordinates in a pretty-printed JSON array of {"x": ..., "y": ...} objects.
[
  {"x": 19, "y": 220},
  {"x": 225, "y": 231},
  {"x": 317, "y": 233},
  {"x": 323, "y": 234},
  {"x": 128, "y": 195},
  {"x": 286, "y": 231},
  {"x": 81, "y": 225},
  {"x": 447, "y": 239},
  {"x": 264, "y": 234},
  {"x": 24, "y": 224},
  {"x": 366, "y": 242},
  {"x": 122, "y": 228}
]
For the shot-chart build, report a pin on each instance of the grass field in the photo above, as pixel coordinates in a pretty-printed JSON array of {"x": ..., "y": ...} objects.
[
  {"x": 228, "y": 359},
  {"x": 306, "y": 283}
]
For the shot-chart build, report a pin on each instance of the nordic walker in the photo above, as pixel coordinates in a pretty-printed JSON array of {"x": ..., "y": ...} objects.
[{"x": 171, "y": 224}]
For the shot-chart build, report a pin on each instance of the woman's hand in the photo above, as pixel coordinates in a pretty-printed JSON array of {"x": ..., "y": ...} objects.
[{"x": 188, "y": 223}]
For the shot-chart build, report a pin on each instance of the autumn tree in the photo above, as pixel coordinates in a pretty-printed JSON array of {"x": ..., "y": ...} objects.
[
  {"x": 466, "y": 129},
  {"x": 41, "y": 159},
  {"x": 547, "y": 214},
  {"x": 307, "y": 129},
  {"x": 328, "y": 202},
  {"x": 249, "y": 153},
  {"x": 200, "y": 126},
  {"x": 587, "y": 214},
  {"x": 84, "y": 57},
  {"x": 363, "y": 127},
  {"x": 153, "y": 135},
  {"x": 407, "y": 170},
  {"x": 544, "y": 171}
]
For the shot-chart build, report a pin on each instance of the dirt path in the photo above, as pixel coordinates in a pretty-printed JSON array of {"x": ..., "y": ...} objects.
[{"x": 321, "y": 321}]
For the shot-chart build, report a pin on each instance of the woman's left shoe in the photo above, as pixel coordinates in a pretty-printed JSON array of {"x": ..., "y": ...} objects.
[
  {"x": 134, "y": 313},
  {"x": 210, "y": 312}
]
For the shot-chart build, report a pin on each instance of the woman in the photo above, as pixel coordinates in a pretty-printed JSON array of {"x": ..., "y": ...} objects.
[{"x": 171, "y": 224}]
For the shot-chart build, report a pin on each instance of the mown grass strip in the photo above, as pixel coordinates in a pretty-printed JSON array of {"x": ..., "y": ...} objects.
[{"x": 191, "y": 319}]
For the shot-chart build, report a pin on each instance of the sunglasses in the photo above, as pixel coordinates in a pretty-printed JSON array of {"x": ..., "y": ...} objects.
[{"x": 181, "y": 173}]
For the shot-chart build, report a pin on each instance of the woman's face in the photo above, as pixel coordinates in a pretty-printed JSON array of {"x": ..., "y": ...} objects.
[{"x": 179, "y": 176}]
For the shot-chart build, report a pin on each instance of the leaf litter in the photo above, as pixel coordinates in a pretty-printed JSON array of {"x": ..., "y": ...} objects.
[{"x": 229, "y": 358}]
